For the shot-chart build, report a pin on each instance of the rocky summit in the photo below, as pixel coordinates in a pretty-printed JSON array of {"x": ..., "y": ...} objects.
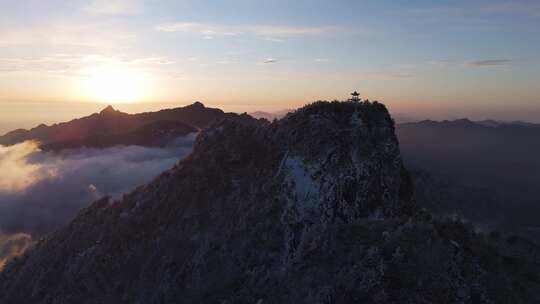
[{"x": 312, "y": 208}]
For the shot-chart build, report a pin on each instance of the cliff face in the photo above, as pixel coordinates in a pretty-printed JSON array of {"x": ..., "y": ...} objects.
[{"x": 313, "y": 208}]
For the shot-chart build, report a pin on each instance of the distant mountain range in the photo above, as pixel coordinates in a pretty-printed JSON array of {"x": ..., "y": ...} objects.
[
  {"x": 487, "y": 171},
  {"x": 111, "y": 127},
  {"x": 465, "y": 122},
  {"x": 502, "y": 155}
]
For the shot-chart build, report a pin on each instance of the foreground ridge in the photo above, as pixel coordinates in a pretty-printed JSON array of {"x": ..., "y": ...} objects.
[{"x": 313, "y": 208}]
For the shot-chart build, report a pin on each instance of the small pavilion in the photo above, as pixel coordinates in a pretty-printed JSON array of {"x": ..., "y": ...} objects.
[{"x": 355, "y": 96}]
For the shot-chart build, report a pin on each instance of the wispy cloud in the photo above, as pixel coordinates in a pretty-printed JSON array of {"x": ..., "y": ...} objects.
[
  {"x": 488, "y": 62},
  {"x": 74, "y": 64},
  {"x": 288, "y": 30},
  {"x": 269, "y": 31},
  {"x": 271, "y": 39},
  {"x": 481, "y": 63},
  {"x": 113, "y": 7},
  {"x": 204, "y": 29},
  {"x": 57, "y": 34}
]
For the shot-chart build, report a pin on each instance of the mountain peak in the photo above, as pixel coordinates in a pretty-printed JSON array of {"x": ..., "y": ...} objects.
[
  {"x": 464, "y": 122},
  {"x": 108, "y": 110},
  {"x": 197, "y": 104}
]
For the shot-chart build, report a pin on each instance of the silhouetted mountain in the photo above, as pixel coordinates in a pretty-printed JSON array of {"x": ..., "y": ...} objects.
[
  {"x": 490, "y": 123},
  {"x": 110, "y": 122},
  {"x": 155, "y": 134},
  {"x": 110, "y": 111},
  {"x": 497, "y": 123},
  {"x": 314, "y": 208}
]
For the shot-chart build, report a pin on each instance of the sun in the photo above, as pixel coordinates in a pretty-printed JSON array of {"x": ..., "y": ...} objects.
[{"x": 113, "y": 84}]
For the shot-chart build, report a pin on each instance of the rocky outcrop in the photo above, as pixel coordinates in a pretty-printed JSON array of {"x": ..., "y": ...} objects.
[{"x": 313, "y": 208}]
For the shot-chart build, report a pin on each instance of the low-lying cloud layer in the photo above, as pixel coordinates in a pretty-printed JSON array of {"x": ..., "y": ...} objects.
[{"x": 40, "y": 191}]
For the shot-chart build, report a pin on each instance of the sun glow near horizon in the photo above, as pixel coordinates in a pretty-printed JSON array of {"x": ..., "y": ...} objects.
[{"x": 117, "y": 85}]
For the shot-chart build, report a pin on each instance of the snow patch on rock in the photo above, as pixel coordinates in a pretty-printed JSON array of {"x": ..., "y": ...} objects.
[{"x": 305, "y": 188}]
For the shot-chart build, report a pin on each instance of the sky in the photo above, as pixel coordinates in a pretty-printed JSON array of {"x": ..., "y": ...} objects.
[{"x": 423, "y": 59}]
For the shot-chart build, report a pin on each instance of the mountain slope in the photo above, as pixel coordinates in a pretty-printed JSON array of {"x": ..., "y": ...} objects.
[
  {"x": 313, "y": 208},
  {"x": 112, "y": 122}
]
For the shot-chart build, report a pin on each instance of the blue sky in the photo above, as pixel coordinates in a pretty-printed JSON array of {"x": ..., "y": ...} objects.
[{"x": 441, "y": 59}]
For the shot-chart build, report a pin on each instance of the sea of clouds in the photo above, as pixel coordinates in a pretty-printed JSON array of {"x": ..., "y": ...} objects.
[{"x": 41, "y": 191}]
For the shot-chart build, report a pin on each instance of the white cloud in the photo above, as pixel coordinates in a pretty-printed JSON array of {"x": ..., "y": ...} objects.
[
  {"x": 18, "y": 173},
  {"x": 210, "y": 30}
]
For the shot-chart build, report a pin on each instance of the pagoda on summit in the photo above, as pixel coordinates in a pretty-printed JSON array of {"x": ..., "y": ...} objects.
[{"x": 355, "y": 96}]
